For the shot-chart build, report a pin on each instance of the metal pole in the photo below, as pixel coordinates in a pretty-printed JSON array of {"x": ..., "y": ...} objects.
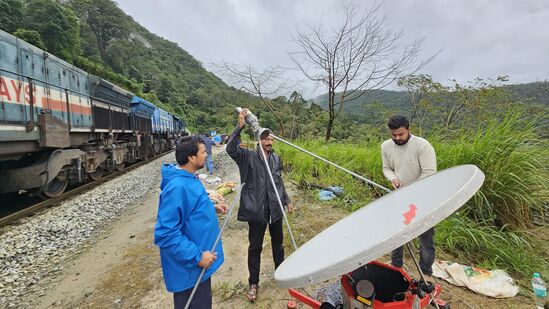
[
  {"x": 215, "y": 244},
  {"x": 276, "y": 192},
  {"x": 332, "y": 164},
  {"x": 432, "y": 298}
]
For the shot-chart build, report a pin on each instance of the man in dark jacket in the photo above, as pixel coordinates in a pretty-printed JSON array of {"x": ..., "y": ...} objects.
[{"x": 258, "y": 202}]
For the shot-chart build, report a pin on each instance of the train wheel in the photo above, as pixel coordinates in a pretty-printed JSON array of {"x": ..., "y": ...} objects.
[
  {"x": 120, "y": 166},
  {"x": 146, "y": 155},
  {"x": 97, "y": 174},
  {"x": 56, "y": 187}
]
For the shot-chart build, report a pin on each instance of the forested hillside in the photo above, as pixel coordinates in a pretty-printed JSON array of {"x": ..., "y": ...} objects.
[
  {"x": 98, "y": 37},
  {"x": 369, "y": 107}
]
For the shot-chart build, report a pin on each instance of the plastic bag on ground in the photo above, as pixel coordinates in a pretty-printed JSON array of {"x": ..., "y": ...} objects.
[
  {"x": 211, "y": 180},
  {"x": 494, "y": 283},
  {"x": 226, "y": 188},
  {"x": 324, "y": 195}
]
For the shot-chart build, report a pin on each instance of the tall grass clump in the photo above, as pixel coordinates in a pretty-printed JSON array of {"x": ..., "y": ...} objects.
[
  {"x": 308, "y": 172},
  {"x": 514, "y": 162},
  {"x": 491, "y": 247}
]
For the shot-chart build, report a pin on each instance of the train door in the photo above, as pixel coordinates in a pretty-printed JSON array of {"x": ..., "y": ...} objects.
[
  {"x": 86, "y": 102},
  {"x": 9, "y": 104},
  {"x": 27, "y": 69},
  {"x": 39, "y": 85},
  {"x": 61, "y": 104},
  {"x": 53, "y": 77},
  {"x": 74, "y": 100}
]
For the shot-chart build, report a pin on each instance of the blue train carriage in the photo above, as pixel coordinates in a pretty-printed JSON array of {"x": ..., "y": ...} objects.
[
  {"x": 179, "y": 127},
  {"x": 142, "y": 112},
  {"x": 163, "y": 130},
  {"x": 114, "y": 142},
  {"x": 45, "y": 114}
]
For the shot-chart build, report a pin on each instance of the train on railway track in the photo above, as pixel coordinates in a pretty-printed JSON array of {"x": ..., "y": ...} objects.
[{"x": 60, "y": 125}]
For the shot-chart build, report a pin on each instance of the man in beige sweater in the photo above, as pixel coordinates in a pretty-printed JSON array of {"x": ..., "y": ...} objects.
[{"x": 407, "y": 158}]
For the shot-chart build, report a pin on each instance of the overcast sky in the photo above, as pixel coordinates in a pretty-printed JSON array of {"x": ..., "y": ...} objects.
[{"x": 476, "y": 38}]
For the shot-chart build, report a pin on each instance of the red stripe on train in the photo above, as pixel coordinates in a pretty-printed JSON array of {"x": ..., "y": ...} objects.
[{"x": 58, "y": 105}]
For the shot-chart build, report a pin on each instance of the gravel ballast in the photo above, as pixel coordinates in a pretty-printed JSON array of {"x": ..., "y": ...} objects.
[{"x": 33, "y": 252}]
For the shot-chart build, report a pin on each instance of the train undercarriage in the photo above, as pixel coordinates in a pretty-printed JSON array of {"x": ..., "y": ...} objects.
[{"x": 49, "y": 172}]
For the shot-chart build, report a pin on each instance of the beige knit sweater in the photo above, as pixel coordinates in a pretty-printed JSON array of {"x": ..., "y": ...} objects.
[{"x": 414, "y": 160}]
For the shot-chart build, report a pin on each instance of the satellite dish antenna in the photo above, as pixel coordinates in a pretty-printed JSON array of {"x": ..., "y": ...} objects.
[{"x": 382, "y": 226}]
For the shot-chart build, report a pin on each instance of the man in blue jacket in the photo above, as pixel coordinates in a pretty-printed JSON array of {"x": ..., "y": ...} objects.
[{"x": 187, "y": 226}]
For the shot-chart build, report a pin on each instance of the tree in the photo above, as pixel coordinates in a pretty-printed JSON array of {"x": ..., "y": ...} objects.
[
  {"x": 57, "y": 25},
  {"x": 419, "y": 88},
  {"x": 357, "y": 57},
  {"x": 105, "y": 20},
  {"x": 480, "y": 101},
  {"x": 11, "y": 15},
  {"x": 30, "y": 36},
  {"x": 262, "y": 84}
]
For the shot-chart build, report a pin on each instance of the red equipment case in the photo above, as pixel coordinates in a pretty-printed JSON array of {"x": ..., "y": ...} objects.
[{"x": 393, "y": 288}]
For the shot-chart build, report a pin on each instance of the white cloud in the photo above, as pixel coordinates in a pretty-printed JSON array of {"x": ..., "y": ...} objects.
[{"x": 478, "y": 38}]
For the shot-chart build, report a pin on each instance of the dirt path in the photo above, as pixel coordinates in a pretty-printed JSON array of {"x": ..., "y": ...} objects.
[{"x": 122, "y": 269}]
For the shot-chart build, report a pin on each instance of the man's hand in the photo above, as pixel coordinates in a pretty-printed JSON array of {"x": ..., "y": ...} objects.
[
  {"x": 207, "y": 259},
  {"x": 396, "y": 183},
  {"x": 242, "y": 117},
  {"x": 290, "y": 208},
  {"x": 221, "y": 208}
]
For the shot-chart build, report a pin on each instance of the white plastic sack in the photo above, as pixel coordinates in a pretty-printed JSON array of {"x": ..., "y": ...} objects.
[
  {"x": 211, "y": 180},
  {"x": 494, "y": 283}
]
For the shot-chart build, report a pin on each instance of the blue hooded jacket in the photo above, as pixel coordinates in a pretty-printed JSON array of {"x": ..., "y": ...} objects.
[{"x": 186, "y": 226}]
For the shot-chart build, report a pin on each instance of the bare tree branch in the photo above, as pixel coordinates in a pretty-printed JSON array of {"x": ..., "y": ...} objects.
[
  {"x": 359, "y": 56},
  {"x": 264, "y": 84}
]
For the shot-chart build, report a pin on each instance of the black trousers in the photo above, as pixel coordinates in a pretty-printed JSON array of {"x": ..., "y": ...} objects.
[
  {"x": 256, "y": 233},
  {"x": 202, "y": 297},
  {"x": 426, "y": 252}
]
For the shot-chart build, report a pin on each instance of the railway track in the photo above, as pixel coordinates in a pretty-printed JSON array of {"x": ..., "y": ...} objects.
[{"x": 27, "y": 211}]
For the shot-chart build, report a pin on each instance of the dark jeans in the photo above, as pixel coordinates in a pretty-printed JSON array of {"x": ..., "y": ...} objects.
[
  {"x": 202, "y": 297},
  {"x": 426, "y": 252},
  {"x": 255, "y": 236},
  {"x": 210, "y": 164}
]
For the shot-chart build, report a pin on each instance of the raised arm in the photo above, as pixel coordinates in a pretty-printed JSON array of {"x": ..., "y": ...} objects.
[{"x": 238, "y": 154}]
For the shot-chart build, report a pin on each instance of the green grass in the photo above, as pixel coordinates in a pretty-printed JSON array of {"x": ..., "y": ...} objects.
[
  {"x": 489, "y": 247},
  {"x": 489, "y": 230},
  {"x": 514, "y": 161}
]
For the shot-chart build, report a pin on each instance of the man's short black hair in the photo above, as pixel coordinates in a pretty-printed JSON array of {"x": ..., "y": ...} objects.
[
  {"x": 398, "y": 121},
  {"x": 187, "y": 146}
]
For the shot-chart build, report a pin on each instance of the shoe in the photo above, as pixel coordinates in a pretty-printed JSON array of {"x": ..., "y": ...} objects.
[{"x": 252, "y": 292}]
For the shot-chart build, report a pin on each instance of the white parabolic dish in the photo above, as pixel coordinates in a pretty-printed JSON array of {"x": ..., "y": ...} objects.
[{"x": 380, "y": 227}]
